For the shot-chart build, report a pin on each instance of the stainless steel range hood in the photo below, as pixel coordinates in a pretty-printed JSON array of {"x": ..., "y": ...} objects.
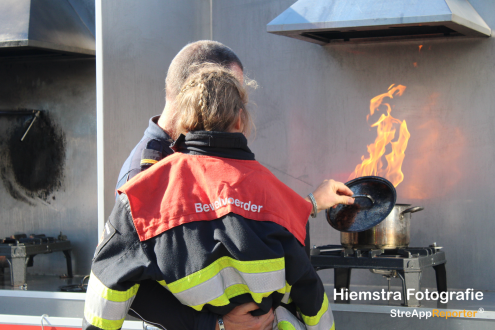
[
  {"x": 325, "y": 21},
  {"x": 34, "y": 28}
]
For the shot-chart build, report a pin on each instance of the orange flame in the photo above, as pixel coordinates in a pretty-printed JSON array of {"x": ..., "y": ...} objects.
[
  {"x": 420, "y": 46},
  {"x": 386, "y": 129}
]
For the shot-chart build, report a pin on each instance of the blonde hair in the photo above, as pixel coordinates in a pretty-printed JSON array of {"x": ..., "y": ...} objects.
[{"x": 211, "y": 99}]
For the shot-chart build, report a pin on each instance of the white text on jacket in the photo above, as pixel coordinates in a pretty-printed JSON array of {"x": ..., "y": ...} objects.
[{"x": 224, "y": 202}]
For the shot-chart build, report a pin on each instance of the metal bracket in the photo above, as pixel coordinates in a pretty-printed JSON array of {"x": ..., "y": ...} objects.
[{"x": 32, "y": 122}]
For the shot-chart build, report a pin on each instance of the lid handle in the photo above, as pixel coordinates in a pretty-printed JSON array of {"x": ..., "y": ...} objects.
[{"x": 365, "y": 196}]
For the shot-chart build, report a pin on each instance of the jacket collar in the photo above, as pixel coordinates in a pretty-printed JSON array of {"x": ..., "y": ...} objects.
[
  {"x": 155, "y": 132},
  {"x": 219, "y": 144}
]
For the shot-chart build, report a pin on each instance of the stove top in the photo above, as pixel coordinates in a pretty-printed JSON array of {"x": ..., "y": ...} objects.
[
  {"x": 23, "y": 239},
  {"x": 17, "y": 253},
  {"x": 327, "y": 256},
  {"x": 406, "y": 263}
]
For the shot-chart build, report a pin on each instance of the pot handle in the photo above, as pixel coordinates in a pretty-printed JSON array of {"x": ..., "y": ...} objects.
[{"x": 412, "y": 210}]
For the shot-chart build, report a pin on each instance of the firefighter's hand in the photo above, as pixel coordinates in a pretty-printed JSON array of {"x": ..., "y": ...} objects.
[
  {"x": 331, "y": 193},
  {"x": 240, "y": 318}
]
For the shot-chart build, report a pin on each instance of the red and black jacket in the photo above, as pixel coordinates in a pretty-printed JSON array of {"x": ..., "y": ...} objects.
[{"x": 215, "y": 228}]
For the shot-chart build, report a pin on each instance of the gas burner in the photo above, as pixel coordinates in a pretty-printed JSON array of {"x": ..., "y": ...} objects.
[
  {"x": 405, "y": 252},
  {"x": 17, "y": 253},
  {"x": 406, "y": 263},
  {"x": 23, "y": 239}
]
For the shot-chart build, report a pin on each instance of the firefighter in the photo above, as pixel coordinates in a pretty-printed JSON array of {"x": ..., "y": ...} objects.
[
  {"x": 154, "y": 146},
  {"x": 211, "y": 224}
]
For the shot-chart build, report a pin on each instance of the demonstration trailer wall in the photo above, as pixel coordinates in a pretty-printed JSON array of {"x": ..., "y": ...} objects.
[{"x": 48, "y": 181}]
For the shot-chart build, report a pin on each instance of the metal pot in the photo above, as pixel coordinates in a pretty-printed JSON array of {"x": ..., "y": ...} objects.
[{"x": 392, "y": 232}]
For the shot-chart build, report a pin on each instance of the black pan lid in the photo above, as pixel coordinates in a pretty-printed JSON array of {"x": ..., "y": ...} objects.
[{"x": 364, "y": 214}]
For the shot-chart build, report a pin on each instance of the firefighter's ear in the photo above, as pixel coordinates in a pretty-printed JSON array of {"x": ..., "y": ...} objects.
[{"x": 238, "y": 125}]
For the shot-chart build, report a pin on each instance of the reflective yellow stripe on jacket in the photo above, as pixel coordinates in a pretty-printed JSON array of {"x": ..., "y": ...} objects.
[
  {"x": 148, "y": 161},
  {"x": 285, "y": 320},
  {"x": 106, "y": 308},
  {"x": 227, "y": 278},
  {"x": 321, "y": 321}
]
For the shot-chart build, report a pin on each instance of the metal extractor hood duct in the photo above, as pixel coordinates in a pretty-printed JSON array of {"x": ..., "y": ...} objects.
[
  {"x": 43, "y": 28},
  {"x": 325, "y": 21}
]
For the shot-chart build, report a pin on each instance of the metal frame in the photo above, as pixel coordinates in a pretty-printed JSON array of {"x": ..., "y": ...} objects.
[
  {"x": 409, "y": 265},
  {"x": 20, "y": 256},
  {"x": 68, "y": 322}
]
